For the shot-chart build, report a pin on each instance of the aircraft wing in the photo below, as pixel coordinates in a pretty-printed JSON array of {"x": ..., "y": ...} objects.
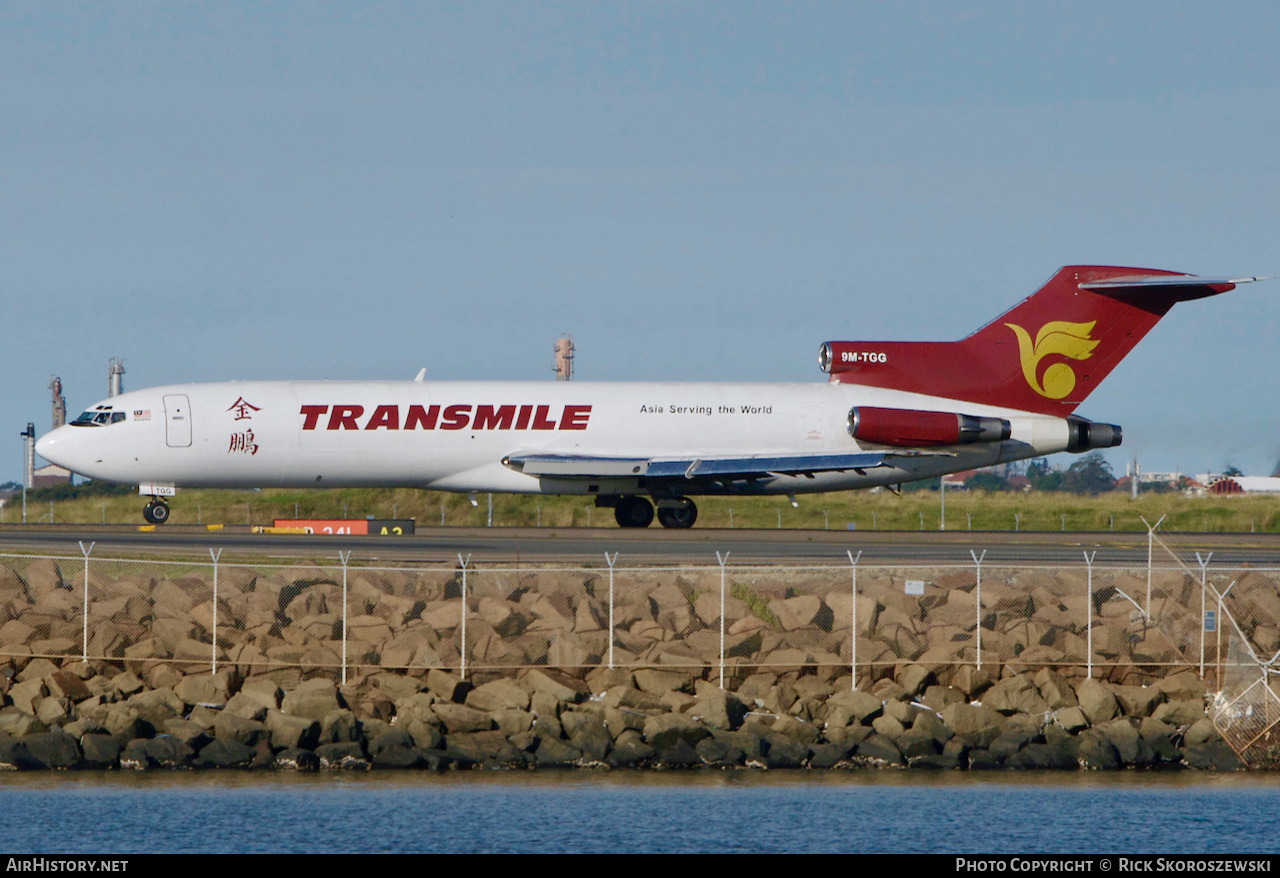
[{"x": 591, "y": 467}]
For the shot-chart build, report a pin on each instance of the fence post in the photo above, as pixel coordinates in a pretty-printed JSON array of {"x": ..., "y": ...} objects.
[
  {"x": 611, "y": 562},
  {"x": 84, "y": 656},
  {"x": 723, "y": 560},
  {"x": 213, "y": 659},
  {"x": 1204, "y": 579},
  {"x": 977, "y": 603},
  {"x": 463, "y": 562},
  {"x": 1151, "y": 537},
  {"x": 853, "y": 626},
  {"x": 344, "y": 557},
  {"x": 1088, "y": 610},
  {"x": 1217, "y": 627}
]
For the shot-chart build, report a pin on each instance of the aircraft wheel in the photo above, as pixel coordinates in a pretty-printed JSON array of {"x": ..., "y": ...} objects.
[
  {"x": 633, "y": 512},
  {"x": 678, "y": 516},
  {"x": 156, "y": 512}
]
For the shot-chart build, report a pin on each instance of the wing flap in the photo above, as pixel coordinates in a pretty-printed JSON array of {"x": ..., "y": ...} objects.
[
  {"x": 588, "y": 466},
  {"x": 759, "y": 466},
  {"x": 576, "y": 466}
]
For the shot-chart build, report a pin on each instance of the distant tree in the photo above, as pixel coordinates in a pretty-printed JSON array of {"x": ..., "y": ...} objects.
[
  {"x": 986, "y": 482},
  {"x": 10, "y": 487},
  {"x": 922, "y": 485},
  {"x": 1041, "y": 478},
  {"x": 1090, "y": 474},
  {"x": 1232, "y": 471},
  {"x": 1047, "y": 482}
]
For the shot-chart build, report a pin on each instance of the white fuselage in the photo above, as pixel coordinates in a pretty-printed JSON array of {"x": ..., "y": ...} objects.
[{"x": 454, "y": 436}]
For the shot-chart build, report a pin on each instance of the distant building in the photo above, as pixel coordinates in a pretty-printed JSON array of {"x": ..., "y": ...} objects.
[
  {"x": 1243, "y": 484},
  {"x": 960, "y": 481},
  {"x": 1171, "y": 479},
  {"x": 49, "y": 475}
]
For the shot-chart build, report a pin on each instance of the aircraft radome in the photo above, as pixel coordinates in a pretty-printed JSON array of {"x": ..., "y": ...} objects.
[{"x": 890, "y": 412}]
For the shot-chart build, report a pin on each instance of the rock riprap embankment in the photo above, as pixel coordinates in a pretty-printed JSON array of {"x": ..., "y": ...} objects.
[
  {"x": 270, "y": 617},
  {"x": 98, "y": 715}
]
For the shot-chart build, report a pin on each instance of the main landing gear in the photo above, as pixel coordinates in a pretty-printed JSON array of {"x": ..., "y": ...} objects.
[
  {"x": 679, "y": 516},
  {"x": 156, "y": 512},
  {"x": 679, "y": 512}
]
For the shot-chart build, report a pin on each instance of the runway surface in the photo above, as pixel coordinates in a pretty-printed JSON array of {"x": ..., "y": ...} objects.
[{"x": 655, "y": 546}]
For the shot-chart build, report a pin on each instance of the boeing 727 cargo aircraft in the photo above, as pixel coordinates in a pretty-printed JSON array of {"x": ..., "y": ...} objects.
[{"x": 890, "y": 412}]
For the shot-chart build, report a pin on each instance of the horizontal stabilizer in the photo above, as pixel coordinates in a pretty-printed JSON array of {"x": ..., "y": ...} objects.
[{"x": 1179, "y": 287}]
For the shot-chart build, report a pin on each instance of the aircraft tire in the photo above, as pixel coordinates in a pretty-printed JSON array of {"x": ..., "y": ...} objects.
[
  {"x": 633, "y": 512},
  {"x": 156, "y": 512},
  {"x": 678, "y": 517}
]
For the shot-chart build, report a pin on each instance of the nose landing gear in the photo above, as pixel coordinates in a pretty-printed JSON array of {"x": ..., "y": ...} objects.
[{"x": 156, "y": 512}]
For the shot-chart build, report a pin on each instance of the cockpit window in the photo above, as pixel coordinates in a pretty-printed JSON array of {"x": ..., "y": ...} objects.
[{"x": 98, "y": 416}]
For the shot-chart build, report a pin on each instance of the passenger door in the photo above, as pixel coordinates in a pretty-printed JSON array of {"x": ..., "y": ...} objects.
[{"x": 177, "y": 421}]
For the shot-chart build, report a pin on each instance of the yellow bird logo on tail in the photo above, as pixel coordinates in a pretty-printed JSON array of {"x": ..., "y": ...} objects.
[{"x": 1070, "y": 340}]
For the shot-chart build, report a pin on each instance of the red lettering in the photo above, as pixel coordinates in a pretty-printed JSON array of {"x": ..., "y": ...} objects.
[
  {"x": 540, "y": 421},
  {"x": 419, "y": 418},
  {"x": 312, "y": 413},
  {"x": 575, "y": 417},
  {"x": 344, "y": 417},
  {"x": 386, "y": 417},
  {"x": 522, "y": 420},
  {"x": 456, "y": 417},
  {"x": 488, "y": 419}
]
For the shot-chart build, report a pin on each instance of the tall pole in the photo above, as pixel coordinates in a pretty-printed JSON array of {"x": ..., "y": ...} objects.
[{"x": 28, "y": 464}]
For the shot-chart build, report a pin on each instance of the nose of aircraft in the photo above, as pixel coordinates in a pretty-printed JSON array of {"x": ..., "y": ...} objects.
[{"x": 58, "y": 446}]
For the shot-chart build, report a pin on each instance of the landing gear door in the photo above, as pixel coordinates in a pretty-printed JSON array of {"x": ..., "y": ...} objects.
[{"x": 177, "y": 421}]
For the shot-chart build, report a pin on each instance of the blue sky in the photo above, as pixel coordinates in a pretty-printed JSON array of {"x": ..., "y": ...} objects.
[{"x": 696, "y": 191}]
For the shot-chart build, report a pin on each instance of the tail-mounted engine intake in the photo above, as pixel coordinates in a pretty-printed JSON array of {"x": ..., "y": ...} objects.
[
  {"x": 907, "y": 427},
  {"x": 844, "y": 356},
  {"x": 1085, "y": 435}
]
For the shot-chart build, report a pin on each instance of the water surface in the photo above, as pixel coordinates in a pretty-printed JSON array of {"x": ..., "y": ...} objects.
[{"x": 733, "y": 811}]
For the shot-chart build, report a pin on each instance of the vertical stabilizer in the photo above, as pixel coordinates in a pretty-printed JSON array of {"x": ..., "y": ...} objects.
[{"x": 1046, "y": 354}]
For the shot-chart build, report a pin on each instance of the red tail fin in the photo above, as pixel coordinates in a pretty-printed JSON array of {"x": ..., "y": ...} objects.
[{"x": 1044, "y": 355}]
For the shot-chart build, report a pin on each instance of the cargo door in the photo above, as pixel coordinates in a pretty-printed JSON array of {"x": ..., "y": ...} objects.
[{"x": 177, "y": 421}]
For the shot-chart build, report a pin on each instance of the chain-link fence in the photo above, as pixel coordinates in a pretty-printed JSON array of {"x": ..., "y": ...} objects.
[{"x": 723, "y": 621}]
